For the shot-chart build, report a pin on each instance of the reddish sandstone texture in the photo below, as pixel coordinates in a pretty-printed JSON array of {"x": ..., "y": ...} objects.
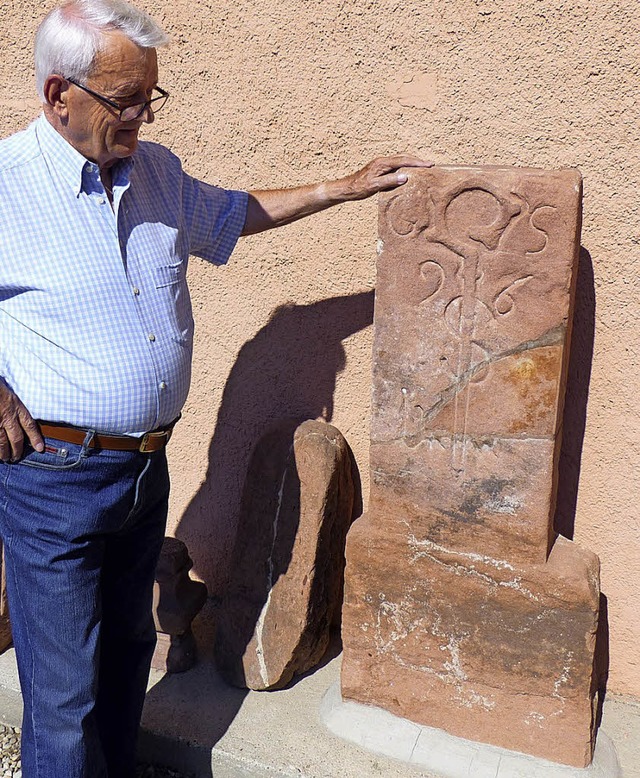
[
  {"x": 5, "y": 626},
  {"x": 462, "y": 609},
  {"x": 285, "y": 586}
]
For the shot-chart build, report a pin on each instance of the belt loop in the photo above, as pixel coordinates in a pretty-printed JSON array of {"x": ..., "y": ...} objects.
[{"x": 88, "y": 442}]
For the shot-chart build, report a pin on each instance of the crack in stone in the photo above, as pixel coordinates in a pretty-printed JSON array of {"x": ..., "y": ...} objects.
[
  {"x": 458, "y": 569},
  {"x": 474, "y": 557},
  {"x": 264, "y": 673},
  {"x": 552, "y": 337}
]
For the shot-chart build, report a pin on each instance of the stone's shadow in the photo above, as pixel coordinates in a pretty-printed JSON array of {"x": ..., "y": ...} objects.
[
  {"x": 577, "y": 395},
  {"x": 287, "y": 370},
  {"x": 601, "y": 658},
  {"x": 573, "y": 430},
  {"x": 334, "y": 649}
]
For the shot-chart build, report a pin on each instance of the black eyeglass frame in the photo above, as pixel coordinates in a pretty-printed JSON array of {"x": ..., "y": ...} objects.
[{"x": 164, "y": 96}]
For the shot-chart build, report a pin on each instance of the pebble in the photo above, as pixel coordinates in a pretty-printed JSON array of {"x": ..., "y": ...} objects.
[{"x": 10, "y": 759}]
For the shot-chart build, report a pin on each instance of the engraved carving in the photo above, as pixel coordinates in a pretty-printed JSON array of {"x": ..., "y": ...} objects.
[
  {"x": 503, "y": 302},
  {"x": 433, "y": 275},
  {"x": 408, "y": 220},
  {"x": 476, "y": 224}
]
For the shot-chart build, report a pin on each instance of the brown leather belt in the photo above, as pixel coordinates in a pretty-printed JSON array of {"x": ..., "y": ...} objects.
[{"x": 148, "y": 443}]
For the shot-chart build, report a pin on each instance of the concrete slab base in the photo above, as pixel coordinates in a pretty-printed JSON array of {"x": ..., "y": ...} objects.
[{"x": 445, "y": 755}]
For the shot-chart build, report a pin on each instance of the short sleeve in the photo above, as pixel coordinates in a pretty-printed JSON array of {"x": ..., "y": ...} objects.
[{"x": 213, "y": 219}]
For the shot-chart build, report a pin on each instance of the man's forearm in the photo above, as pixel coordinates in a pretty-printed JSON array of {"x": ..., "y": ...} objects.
[{"x": 275, "y": 207}]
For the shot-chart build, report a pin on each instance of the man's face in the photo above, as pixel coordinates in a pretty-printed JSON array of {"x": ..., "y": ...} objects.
[{"x": 125, "y": 73}]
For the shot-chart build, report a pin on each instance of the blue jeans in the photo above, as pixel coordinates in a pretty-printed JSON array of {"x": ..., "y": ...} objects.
[{"x": 82, "y": 531}]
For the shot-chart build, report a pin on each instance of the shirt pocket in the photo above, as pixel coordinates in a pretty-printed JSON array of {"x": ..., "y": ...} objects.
[{"x": 171, "y": 285}]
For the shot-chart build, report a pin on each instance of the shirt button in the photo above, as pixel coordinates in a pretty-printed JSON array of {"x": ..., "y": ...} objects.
[
  {"x": 151, "y": 336},
  {"x": 135, "y": 290},
  {"x": 162, "y": 385},
  {"x": 101, "y": 200}
]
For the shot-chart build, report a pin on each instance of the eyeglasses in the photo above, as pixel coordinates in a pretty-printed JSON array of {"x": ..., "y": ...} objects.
[{"x": 129, "y": 113}]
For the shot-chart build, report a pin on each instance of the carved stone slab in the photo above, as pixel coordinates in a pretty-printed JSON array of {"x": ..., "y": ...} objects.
[
  {"x": 472, "y": 308},
  {"x": 462, "y": 610},
  {"x": 287, "y": 572}
]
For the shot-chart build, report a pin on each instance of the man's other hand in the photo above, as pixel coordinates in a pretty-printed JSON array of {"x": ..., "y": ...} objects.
[{"x": 15, "y": 422}]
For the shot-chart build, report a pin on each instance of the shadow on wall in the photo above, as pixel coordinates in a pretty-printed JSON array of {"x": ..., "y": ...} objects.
[
  {"x": 573, "y": 429},
  {"x": 288, "y": 369},
  {"x": 577, "y": 395}
]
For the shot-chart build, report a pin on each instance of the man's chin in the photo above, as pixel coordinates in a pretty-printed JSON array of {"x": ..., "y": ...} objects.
[{"x": 126, "y": 142}]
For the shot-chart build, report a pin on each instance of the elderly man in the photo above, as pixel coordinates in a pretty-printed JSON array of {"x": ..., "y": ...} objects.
[{"x": 96, "y": 339}]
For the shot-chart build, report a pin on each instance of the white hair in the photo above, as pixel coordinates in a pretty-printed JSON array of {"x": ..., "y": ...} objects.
[{"x": 70, "y": 36}]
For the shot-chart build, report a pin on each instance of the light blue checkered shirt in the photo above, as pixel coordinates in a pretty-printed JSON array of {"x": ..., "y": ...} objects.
[{"x": 95, "y": 318}]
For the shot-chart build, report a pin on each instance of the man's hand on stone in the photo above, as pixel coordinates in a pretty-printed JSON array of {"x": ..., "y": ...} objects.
[
  {"x": 381, "y": 174},
  {"x": 15, "y": 423},
  {"x": 270, "y": 208}
]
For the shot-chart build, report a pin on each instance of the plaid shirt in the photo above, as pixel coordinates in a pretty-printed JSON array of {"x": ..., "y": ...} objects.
[{"x": 95, "y": 317}]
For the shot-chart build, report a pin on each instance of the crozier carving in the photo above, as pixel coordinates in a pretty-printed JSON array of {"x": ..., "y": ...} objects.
[{"x": 475, "y": 249}]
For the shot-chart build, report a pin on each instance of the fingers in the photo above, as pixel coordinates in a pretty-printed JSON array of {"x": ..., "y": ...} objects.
[
  {"x": 5, "y": 446},
  {"x": 403, "y": 160},
  {"x": 13, "y": 440},
  {"x": 391, "y": 181},
  {"x": 384, "y": 173},
  {"x": 15, "y": 422},
  {"x": 31, "y": 428}
]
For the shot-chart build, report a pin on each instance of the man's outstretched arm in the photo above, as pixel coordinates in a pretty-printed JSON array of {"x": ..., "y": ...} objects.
[{"x": 274, "y": 207}]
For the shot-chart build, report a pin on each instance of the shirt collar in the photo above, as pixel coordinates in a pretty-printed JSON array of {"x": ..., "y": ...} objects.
[{"x": 70, "y": 163}]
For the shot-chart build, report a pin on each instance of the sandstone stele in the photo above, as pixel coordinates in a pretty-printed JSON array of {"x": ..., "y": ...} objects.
[{"x": 463, "y": 610}]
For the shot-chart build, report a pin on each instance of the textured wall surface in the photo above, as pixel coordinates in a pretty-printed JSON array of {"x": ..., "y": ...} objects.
[{"x": 278, "y": 93}]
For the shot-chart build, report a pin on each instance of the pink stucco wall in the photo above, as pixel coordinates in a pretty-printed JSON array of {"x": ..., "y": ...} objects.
[{"x": 279, "y": 93}]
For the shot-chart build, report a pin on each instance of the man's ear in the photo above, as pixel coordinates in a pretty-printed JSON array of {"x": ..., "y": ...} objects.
[{"x": 56, "y": 95}]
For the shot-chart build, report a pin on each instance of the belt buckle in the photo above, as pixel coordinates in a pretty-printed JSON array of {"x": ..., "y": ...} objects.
[{"x": 145, "y": 445}]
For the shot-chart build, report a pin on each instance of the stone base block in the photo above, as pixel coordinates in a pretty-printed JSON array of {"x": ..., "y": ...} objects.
[
  {"x": 475, "y": 646},
  {"x": 175, "y": 653}
]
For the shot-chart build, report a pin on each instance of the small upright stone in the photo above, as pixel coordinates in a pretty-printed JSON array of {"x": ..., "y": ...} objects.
[
  {"x": 177, "y": 599},
  {"x": 286, "y": 580}
]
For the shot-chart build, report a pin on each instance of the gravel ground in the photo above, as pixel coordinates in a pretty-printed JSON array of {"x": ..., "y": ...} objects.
[
  {"x": 10, "y": 752},
  {"x": 10, "y": 759}
]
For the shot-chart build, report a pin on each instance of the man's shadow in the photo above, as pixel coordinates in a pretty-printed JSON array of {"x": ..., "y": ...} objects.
[{"x": 287, "y": 370}]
